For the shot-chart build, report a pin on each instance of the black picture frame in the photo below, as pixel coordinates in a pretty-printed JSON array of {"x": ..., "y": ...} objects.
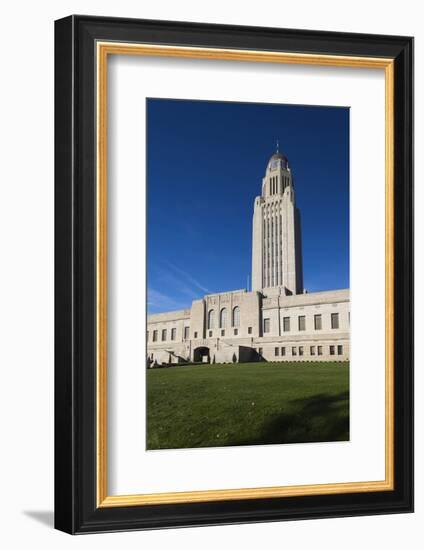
[{"x": 76, "y": 508}]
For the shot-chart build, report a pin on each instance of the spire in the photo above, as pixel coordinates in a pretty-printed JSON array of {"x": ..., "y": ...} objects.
[{"x": 278, "y": 146}]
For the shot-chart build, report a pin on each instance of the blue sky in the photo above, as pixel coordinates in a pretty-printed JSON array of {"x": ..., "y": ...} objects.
[{"x": 205, "y": 163}]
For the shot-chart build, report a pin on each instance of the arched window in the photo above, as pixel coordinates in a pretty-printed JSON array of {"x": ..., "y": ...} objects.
[
  {"x": 211, "y": 318},
  {"x": 223, "y": 318},
  {"x": 236, "y": 317}
]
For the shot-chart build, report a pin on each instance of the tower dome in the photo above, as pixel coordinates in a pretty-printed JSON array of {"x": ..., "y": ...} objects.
[
  {"x": 278, "y": 160},
  {"x": 277, "y": 156}
]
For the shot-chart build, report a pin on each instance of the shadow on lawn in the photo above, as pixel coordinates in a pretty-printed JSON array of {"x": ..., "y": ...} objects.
[{"x": 322, "y": 417}]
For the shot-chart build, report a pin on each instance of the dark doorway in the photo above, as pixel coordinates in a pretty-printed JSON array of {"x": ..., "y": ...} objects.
[{"x": 199, "y": 355}]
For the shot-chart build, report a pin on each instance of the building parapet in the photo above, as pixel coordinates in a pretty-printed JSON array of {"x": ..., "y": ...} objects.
[
  {"x": 307, "y": 299},
  {"x": 169, "y": 316}
]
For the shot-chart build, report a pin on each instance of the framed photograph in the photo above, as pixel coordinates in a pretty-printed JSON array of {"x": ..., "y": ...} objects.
[{"x": 234, "y": 274}]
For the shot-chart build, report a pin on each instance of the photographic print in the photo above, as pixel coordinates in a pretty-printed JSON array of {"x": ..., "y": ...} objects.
[{"x": 248, "y": 313}]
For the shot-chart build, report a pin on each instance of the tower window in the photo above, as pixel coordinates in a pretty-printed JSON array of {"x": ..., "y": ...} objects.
[
  {"x": 334, "y": 320},
  {"x": 186, "y": 332},
  {"x": 302, "y": 323},
  {"x": 223, "y": 318},
  {"x": 236, "y": 317},
  {"x": 163, "y": 334},
  {"x": 286, "y": 324},
  {"x": 155, "y": 336},
  {"x": 173, "y": 333},
  {"x": 266, "y": 325},
  {"x": 195, "y": 334},
  {"x": 318, "y": 321},
  {"x": 249, "y": 330},
  {"x": 211, "y": 318}
]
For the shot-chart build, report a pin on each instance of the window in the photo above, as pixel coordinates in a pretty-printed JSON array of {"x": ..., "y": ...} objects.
[
  {"x": 283, "y": 351},
  {"x": 222, "y": 332},
  {"x": 286, "y": 324},
  {"x": 163, "y": 334},
  {"x": 312, "y": 350},
  {"x": 235, "y": 331},
  {"x": 186, "y": 332},
  {"x": 331, "y": 350},
  {"x": 294, "y": 351},
  {"x": 266, "y": 325},
  {"x": 318, "y": 321},
  {"x": 302, "y": 323},
  {"x": 211, "y": 318},
  {"x": 300, "y": 350},
  {"x": 260, "y": 350},
  {"x": 173, "y": 333},
  {"x": 334, "y": 320},
  {"x": 195, "y": 334},
  {"x": 236, "y": 317},
  {"x": 223, "y": 318},
  {"x": 147, "y": 336},
  {"x": 210, "y": 334},
  {"x": 155, "y": 335},
  {"x": 319, "y": 350},
  {"x": 339, "y": 350},
  {"x": 277, "y": 352},
  {"x": 249, "y": 330}
]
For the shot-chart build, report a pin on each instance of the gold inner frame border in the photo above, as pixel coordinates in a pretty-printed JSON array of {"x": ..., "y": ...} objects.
[{"x": 103, "y": 50}]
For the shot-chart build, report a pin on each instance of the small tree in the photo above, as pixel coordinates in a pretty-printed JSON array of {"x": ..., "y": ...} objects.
[{"x": 234, "y": 358}]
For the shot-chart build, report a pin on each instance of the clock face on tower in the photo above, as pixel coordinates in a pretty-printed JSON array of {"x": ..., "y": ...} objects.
[{"x": 274, "y": 164}]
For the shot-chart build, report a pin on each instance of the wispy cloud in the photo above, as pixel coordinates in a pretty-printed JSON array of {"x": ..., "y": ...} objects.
[
  {"x": 173, "y": 282},
  {"x": 181, "y": 288},
  {"x": 188, "y": 278},
  {"x": 158, "y": 300}
]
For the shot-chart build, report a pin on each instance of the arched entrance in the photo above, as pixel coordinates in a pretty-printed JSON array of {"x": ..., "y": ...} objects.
[{"x": 201, "y": 354}]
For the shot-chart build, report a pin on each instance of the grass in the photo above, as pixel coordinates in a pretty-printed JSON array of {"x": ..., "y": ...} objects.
[{"x": 247, "y": 404}]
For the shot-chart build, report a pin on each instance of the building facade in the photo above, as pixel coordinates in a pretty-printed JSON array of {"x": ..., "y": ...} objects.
[{"x": 275, "y": 321}]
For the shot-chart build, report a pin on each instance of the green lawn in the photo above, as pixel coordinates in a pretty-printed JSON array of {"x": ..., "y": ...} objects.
[{"x": 247, "y": 404}]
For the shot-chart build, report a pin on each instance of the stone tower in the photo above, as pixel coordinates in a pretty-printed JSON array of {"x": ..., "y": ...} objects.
[{"x": 276, "y": 246}]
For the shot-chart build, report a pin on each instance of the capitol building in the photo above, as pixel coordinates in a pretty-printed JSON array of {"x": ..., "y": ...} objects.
[{"x": 277, "y": 320}]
